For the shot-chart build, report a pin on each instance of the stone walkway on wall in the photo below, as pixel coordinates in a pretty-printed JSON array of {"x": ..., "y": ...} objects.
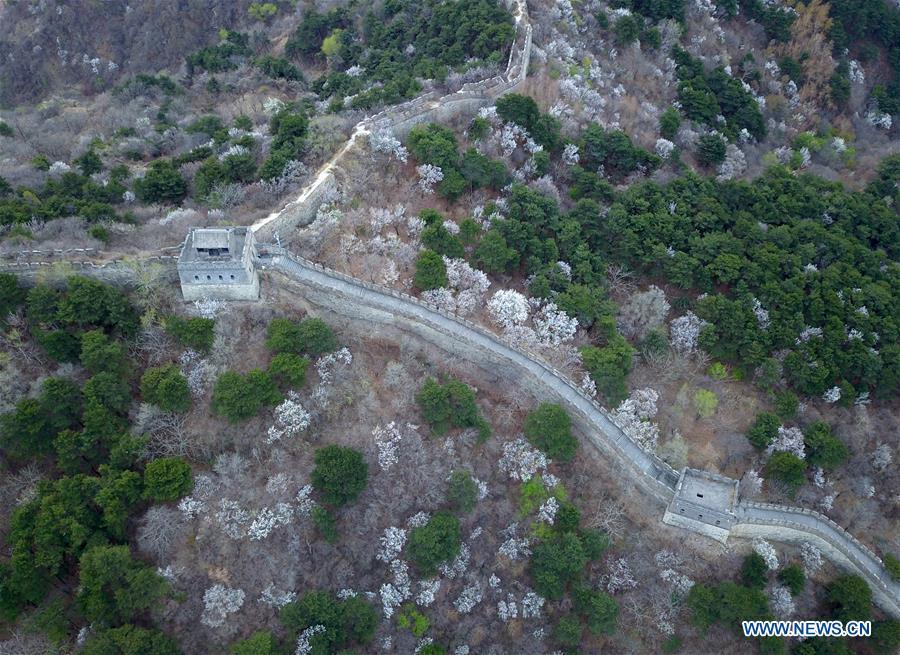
[{"x": 774, "y": 522}]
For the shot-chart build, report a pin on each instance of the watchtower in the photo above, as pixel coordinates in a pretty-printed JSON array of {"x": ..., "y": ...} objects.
[
  {"x": 218, "y": 263},
  {"x": 704, "y": 502}
]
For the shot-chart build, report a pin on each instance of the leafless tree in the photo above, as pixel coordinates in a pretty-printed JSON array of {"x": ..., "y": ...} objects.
[{"x": 160, "y": 528}]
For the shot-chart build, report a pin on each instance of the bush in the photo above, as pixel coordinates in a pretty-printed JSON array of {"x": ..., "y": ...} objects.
[
  {"x": 109, "y": 391},
  {"x": 710, "y": 150},
  {"x": 449, "y": 405},
  {"x": 823, "y": 448},
  {"x": 788, "y": 469},
  {"x": 849, "y": 598},
  {"x": 238, "y": 397},
  {"x": 340, "y": 474},
  {"x": 705, "y": 402},
  {"x": 462, "y": 491},
  {"x": 764, "y": 430},
  {"x": 892, "y": 564},
  {"x": 195, "y": 332},
  {"x": 754, "y": 571},
  {"x": 311, "y": 336},
  {"x": 5, "y": 129},
  {"x": 289, "y": 370},
  {"x": 669, "y": 123},
  {"x": 259, "y": 643},
  {"x": 555, "y": 563},
  {"x": 435, "y": 542},
  {"x": 325, "y": 524},
  {"x": 567, "y": 632},
  {"x": 167, "y": 388},
  {"x": 100, "y": 353},
  {"x": 599, "y": 609},
  {"x": 162, "y": 184},
  {"x": 114, "y": 587},
  {"x": 345, "y": 621},
  {"x": 130, "y": 640},
  {"x": 167, "y": 479},
  {"x": 609, "y": 366},
  {"x": 549, "y": 428},
  {"x": 431, "y": 272},
  {"x": 786, "y": 405},
  {"x": 792, "y": 577}
]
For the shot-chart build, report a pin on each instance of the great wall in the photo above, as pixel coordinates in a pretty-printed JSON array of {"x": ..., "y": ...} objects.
[{"x": 342, "y": 293}]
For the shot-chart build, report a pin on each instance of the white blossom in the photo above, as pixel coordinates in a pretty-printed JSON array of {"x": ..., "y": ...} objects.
[
  {"x": 548, "y": 509},
  {"x": 532, "y": 604},
  {"x": 305, "y": 503},
  {"x": 788, "y": 440},
  {"x": 304, "y": 641},
  {"x": 218, "y": 602},
  {"x": 291, "y": 418},
  {"x": 459, "y": 564},
  {"x": 781, "y": 602},
  {"x": 570, "y": 154},
  {"x": 811, "y": 556},
  {"x": 392, "y": 542},
  {"x": 428, "y": 591},
  {"x": 468, "y": 599},
  {"x": 553, "y": 326},
  {"x": 387, "y": 440},
  {"x": 832, "y": 395},
  {"x": 751, "y": 483},
  {"x": 191, "y": 507},
  {"x": 521, "y": 461},
  {"x": 429, "y": 175},
  {"x": 664, "y": 148},
  {"x": 765, "y": 550},
  {"x": 418, "y": 519},
  {"x": 508, "y": 609},
  {"x": 808, "y": 333},
  {"x": 882, "y": 457},
  {"x": 232, "y": 519},
  {"x": 508, "y": 308},
  {"x": 620, "y": 577},
  {"x": 383, "y": 140},
  {"x": 762, "y": 315},
  {"x": 277, "y": 599},
  {"x": 633, "y": 415},
  {"x": 268, "y": 520},
  {"x": 685, "y": 332}
]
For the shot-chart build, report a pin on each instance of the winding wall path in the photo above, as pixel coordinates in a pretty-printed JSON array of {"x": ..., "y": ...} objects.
[{"x": 775, "y": 522}]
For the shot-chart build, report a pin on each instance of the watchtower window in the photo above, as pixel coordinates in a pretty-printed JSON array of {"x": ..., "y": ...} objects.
[
  {"x": 232, "y": 277},
  {"x": 699, "y": 495},
  {"x": 220, "y": 277},
  {"x": 196, "y": 277},
  {"x": 214, "y": 252},
  {"x": 208, "y": 277}
]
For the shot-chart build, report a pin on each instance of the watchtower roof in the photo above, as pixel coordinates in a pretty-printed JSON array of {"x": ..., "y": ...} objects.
[
  {"x": 205, "y": 238},
  {"x": 705, "y": 489}
]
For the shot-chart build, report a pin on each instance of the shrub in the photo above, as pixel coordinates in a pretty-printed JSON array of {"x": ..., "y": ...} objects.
[
  {"x": 167, "y": 388},
  {"x": 849, "y": 598},
  {"x": 162, "y": 184},
  {"x": 431, "y": 272},
  {"x": 462, "y": 491},
  {"x": 599, "y": 609},
  {"x": 710, "y": 150},
  {"x": 340, "y": 474},
  {"x": 195, "y": 332},
  {"x": 567, "y": 632},
  {"x": 5, "y": 129},
  {"x": 310, "y": 336},
  {"x": 823, "y": 448},
  {"x": 754, "y": 571},
  {"x": 609, "y": 366},
  {"x": 167, "y": 479},
  {"x": 669, "y": 123},
  {"x": 435, "y": 542},
  {"x": 130, "y": 640},
  {"x": 788, "y": 469},
  {"x": 238, "y": 397},
  {"x": 289, "y": 370},
  {"x": 549, "y": 428},
  {"x": 764, "y": 430},
  {"x": 325, "y": 524},
  {"x": 259, "y": 643},
  {"x": 451, "y": 404},
  {"x": 786, "y": 405},
  {"x": 410, "y": 619},
  {"x": 892, "y": 564},
  {"x": 100, "y": 353},
  {"x": 345, "y": 621},
  {"x": 114, "y": 588},
  {"x": 792, "y": 577},
  {"x": 555, "y": 563},
  {"x": 109, "y": 391},
  {"x": 705, "y": 402}
]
